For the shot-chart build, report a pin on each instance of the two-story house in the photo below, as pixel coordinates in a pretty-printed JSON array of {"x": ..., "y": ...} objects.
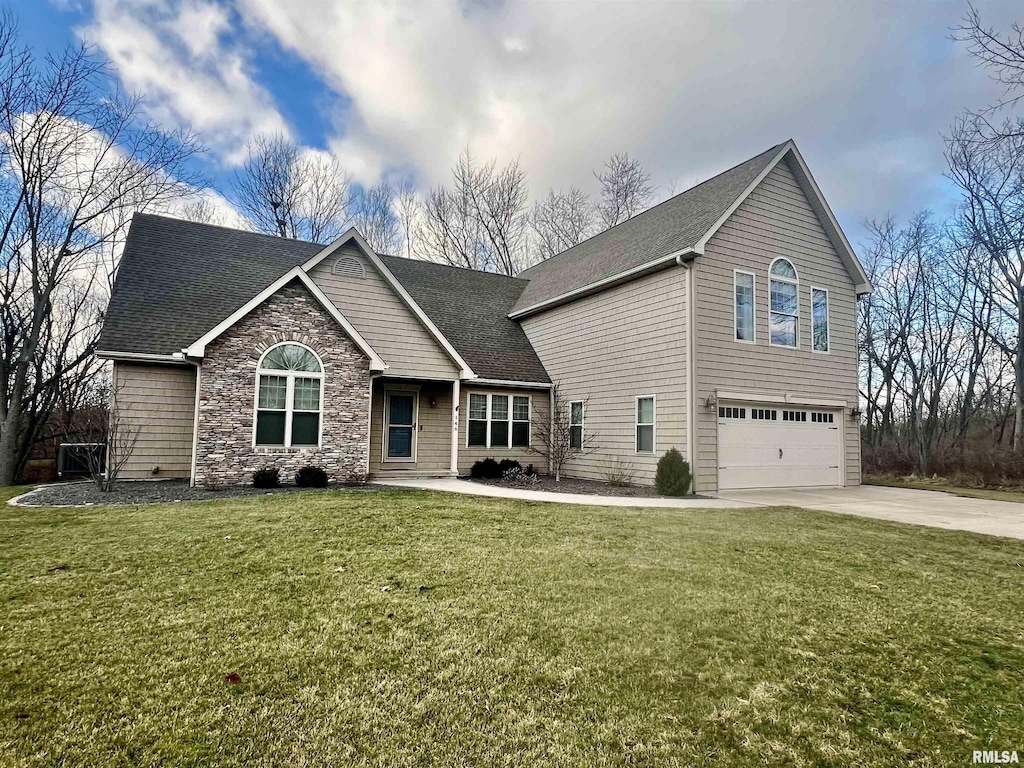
[{"x": 721, "y": 322}]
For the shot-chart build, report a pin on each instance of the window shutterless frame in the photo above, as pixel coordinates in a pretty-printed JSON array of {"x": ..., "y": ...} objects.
[
  {"x": 508, "y": 420},
  {"x": 784, "y": 280},
  {"x": 652, "y": 424},
  {"x": 577, "y": 423},
  {"x": 736, "y": 278},
  {"x": 289, "y": 410},
  {"x": 827, "y": 337}
]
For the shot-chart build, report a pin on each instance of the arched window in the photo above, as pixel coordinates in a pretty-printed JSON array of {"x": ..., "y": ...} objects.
[
  {"x": 784, "y": 315},
  {"x": 288, "y": 397},
  {"x": 349, "y": 266}
]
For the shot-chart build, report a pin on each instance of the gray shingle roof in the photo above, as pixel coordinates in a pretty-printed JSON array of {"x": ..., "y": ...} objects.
[
  {"x": 470, "y": 308},
  {"x": 674, "y": 225},
  {"x": 178, "y": 279}
]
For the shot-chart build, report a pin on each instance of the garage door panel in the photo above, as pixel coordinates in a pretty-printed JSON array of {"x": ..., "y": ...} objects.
[{"x": 764, "y": 453}]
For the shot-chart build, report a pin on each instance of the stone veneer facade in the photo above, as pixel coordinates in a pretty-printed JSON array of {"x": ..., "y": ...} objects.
[{"x": 224, "y": 450}]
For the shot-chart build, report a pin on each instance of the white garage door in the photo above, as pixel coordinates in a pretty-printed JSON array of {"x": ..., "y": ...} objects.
[{"x": 775, "y": 447}]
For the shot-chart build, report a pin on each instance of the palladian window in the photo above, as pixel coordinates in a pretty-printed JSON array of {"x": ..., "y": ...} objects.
[{"x": 289, "y": 397}]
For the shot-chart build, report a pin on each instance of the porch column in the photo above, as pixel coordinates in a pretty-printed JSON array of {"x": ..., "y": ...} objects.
[{"x": 456, "y": 402}]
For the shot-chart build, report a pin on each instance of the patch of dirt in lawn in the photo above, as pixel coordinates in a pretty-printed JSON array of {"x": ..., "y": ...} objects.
[
  {"x": 153, "y": 492},
  {"x": 574, "y": 485}
]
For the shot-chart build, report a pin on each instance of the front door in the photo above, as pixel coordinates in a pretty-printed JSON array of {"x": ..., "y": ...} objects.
[{"x": 400, "y": 430}]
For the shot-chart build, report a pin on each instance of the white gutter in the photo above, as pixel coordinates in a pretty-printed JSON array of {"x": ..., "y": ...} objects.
[
  {"x": 141, "y": 357},
  {"x": 600, "y": 285},
  {"x": 511, "y": 384}
]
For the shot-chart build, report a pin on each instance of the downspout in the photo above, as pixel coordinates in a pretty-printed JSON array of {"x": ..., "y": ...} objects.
[
  {"x": 551, "y": 430},
  {"x": 195, "y": 425},
  {"x": 690, "y": 371}
]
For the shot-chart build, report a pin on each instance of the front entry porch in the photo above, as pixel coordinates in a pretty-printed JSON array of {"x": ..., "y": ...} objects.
[{"x": 412, "y": 424}]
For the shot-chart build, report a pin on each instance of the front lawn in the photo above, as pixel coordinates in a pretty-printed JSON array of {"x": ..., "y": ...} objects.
[
  {"x": 407, "y": 628},
  {"x": 945, "y": 486}
]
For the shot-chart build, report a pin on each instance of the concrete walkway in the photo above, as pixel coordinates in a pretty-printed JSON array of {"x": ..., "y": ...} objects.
[
  {"x": 451, "y": 485},
  {"x": 903, "y": 505}
]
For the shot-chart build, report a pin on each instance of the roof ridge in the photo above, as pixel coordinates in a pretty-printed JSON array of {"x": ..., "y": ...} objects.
[
  {"x": 226, "y": 228},
  {"x": 454, "y": 266},
  {"x": 657, "y": 205}
]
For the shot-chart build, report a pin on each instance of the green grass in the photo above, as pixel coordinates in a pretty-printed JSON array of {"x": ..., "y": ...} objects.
[
  {"x": 407, "y": 628},
  {"x": 940, "y": 484}
]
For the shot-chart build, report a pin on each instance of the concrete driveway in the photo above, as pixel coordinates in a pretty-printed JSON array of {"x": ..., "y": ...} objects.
[{"x": 938, "y": 510}]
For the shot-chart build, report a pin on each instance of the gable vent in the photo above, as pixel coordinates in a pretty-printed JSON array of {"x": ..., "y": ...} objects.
[{"x": 349, "y": 266}]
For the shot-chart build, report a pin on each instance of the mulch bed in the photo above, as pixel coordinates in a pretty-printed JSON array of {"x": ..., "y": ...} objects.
[
  {"x": 153, "y": 492},
  {"x": 574, "y": 485}
]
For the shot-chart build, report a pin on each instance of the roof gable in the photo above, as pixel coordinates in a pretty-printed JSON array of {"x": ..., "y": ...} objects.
[
  {"x": 677, "y": 227},
  {"x": 198, "y": 348}
]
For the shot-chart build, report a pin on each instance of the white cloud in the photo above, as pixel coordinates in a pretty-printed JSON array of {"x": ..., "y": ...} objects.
[
  {"x": 688, "y": 88},
  {"x": 176, "y": 56}
]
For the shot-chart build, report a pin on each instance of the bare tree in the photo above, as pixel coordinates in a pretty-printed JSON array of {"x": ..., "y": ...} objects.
[
  {"x": 373, "y": 214},
  {"x": 991, "y": 177},
  {"x": 287, "y": 192},
  {"x": 409, "y": 210},
  {"x": 625, "y": 189},
  {"x": 1002, "y": 54},
  {"x": 562, "y": 220},
  {"x": 560, "y": 438},
  {"x": 76, "y": 161},
  {"x": 118, "y": 434},
  {"x": 480, "y": 222},
  {"x": 203, "y": 210}
]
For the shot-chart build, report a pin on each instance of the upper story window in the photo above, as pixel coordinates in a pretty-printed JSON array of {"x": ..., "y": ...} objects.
[
  {"x": 819, "y": 319},
  {"x": 349, "y": 266},
  {"x": 498, "y": 421},
  {"x": 289, "y": 380},
  {"x": 783, "y": 317},
  {"x": 743, "y": 297}
]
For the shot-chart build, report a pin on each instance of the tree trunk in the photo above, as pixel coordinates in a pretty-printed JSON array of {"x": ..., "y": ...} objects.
[
  {"x": 9, "y": 448},
  {"x": 1018, "y": 366}
]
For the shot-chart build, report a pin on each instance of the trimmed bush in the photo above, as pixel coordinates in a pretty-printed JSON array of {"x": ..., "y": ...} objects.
[
  {"x": 268, "y": 477},
  {"x": 506, "y": 464},
  {"x": 311, "y": 477},
  {"x": 673, "y": 475},
  {"x": 485, "y": 469}
]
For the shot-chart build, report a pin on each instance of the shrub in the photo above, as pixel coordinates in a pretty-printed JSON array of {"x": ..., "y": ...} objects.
[
  {"x": 268, "y": 477},
  {"x": 506, "y": 464},
  {"x": 529, "y": 469},
  {"x": 618, "y": 472},
  {"x": 485, "y": 469},
  {"x": 311, "y": 477},
  {"x": 519, "y": 476},
  {"x": 673, "y": 475}
]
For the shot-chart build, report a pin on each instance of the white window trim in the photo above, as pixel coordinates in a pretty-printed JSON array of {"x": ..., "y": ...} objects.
[
  {"x": 791, "y": 281},
  {"x": 753, "y": 299},
  {"x": 289, "y": 402},
  {"x": 511, "y": 420},
  {"x": 583, "y": 422},
  {"x": 653, "y": 425},
  {"x": 414, "y": 392},
  {"x": 828, "y": 321}
]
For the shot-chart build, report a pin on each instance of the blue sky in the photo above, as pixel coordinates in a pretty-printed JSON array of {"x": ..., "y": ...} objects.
[{"x": 397, "y": 89}]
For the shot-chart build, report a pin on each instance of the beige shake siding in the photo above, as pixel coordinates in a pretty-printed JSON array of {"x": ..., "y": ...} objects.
[
  {"x": 434, "y": 427},
  {"x": 611, "y": 348},
  {"x": 776, "y": 220},
  {"x": 379, "y": 314},
  {"x": 160, "y": 400},
  {"x": 539, "y": 411}
]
